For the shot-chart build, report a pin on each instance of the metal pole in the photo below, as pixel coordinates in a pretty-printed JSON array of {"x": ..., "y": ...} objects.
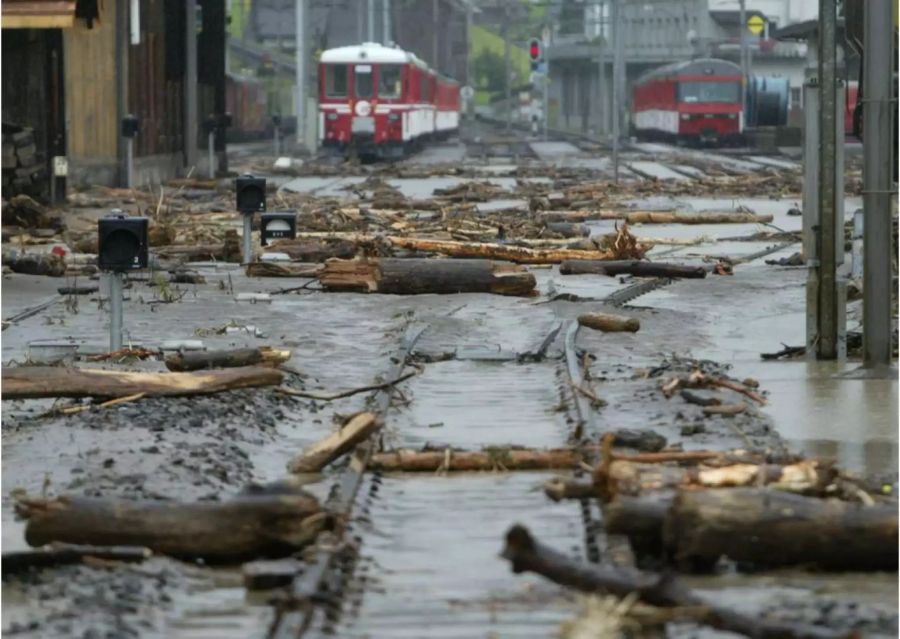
[
  {"x": 277, "y": 142},
  {"x": 129, "y": 163},
  {"x": 115, "y": 311},
  {"x": 190, "y": 84},
  {"x": 827, "y": 345},
  {"x": 370, "y": 21},
  {"x": 616, "y": 88},
  {"x": 435, "y": 32},
  {"x": 300, "y": 62},
  {"x": 878, "y": 59},
  {"x": 248, "y": 232},
  {"x": 211, "y": 145},
  {"x": 601, "y": 77},
  {"x": 386, "y": 20},
  {"x": 744, "y": 70},
  {"x": 546, "y": 99},
  {"x": 469, "y": 79},
  {"x": 507, "y": 71}
]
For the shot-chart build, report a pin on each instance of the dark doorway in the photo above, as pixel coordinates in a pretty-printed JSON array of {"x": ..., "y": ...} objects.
[{"x": 34, "y": 125}]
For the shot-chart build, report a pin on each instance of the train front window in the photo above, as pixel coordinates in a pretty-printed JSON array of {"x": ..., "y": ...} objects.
[
  {"x": 389, "y": 81},
  {"x": 363, "y": 75},
  {"x": 336, "y": 81},
  {"x": 729, "y": 92}
]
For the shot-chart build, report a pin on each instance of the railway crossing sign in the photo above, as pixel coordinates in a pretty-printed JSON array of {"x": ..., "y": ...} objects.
[{"x": 756, "y": 24}]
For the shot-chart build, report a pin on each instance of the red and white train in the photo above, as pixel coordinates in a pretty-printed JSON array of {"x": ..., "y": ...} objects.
[
  {"x": 694, "y": 101},
  {"x": 382, "y": 101}
]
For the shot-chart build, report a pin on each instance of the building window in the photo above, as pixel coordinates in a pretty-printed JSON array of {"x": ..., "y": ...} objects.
[{"x": 796, "y": 98}]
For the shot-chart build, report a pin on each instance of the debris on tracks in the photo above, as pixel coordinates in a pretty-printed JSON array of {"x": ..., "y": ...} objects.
[
  {"x": 526, "y": 554},
  {"x": 355, "y": 429},
  {"x": 609, "y": 323},
  {"x": 30, "y": 382},
  {"x": 420, "y": 276},
  {"x": 201, "y": 360},
  {"x": 239, "y": 528}
]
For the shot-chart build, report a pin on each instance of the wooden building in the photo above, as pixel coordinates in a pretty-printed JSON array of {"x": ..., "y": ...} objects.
[{"x": 73, "y": 68}]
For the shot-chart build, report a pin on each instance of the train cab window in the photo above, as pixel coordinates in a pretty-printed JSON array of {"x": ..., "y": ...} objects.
[
  {"x": 705, "y": 91},
  {"x": 336, "y": 81},
  {"x": 363, "y": 80},
  {"x": 389, "y": 81}
]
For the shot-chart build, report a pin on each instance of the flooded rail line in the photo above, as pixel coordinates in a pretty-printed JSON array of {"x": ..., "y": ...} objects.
[{"x": 413, "y": 553}]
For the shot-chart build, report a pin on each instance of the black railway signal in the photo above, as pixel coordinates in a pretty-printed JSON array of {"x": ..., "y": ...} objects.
[
  {"x": 122, "y": 242},
  {"x": 280, "y": 225},
  {"x": 250, "y": 193}
]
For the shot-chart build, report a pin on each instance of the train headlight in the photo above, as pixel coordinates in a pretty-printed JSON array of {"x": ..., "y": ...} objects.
[
  {"x": 393, "y": 117},
  {"x": 732, "y": 116},
  {"x": 685, "y": 116},
  {"x": 332, "y": 117}
]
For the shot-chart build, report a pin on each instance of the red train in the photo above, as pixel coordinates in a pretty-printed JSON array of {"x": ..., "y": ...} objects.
[
  {"x": 382, "y": 101},
  {"x": 694, "y": 101}
]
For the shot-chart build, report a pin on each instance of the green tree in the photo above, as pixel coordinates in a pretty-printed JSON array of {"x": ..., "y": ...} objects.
[{"x": 490, "y": 69}]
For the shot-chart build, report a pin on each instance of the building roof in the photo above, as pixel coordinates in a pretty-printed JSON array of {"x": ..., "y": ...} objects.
[
  {"x": 802, "y": 31},
  {"x": 733, "y": 18}
]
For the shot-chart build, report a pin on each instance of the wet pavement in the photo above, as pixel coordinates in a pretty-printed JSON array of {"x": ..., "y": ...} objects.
[{"x": 429, "y": 564}]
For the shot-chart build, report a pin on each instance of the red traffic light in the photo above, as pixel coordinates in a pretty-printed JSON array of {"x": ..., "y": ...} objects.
[{"x": 534, "y": 49}]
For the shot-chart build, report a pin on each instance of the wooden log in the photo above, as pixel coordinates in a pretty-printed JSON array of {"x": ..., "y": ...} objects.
[
  {"x": 63, "y": 554},
  {"x": 609, "y": 323},
  {"x": 282, "y": 269},
  {"x": 241, "y": 528},
  {"x": 726, "y": 410},
  {"x": 769, "y": 528},
  {"x": 630, "y": 267},
  {"x": 659, "y": 217},
  {"x": 314, "y": 251},
  {"x": 568, "y": 229},
  {"x": 35, "y": 264},
  {"x": 559, "y": 488},
  {"x": 200, "y": 360},
  {"x": 357, "y": 429},
  {"x": 489, "y": 459},
  {"x": 809, "y": 476},
  {"x": 526, "y": 554},
  {"x": 517, "y": 254},
  {"x": 30, "y": 382},
  {"x": 418, "y": 276},
  {"x": 641, "y": 519}
]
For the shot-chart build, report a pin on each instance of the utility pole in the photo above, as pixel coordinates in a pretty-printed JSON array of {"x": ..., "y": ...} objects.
[
  {"x": 601, "y": 68},
  {"x": 507, "y": 71},
  {"x": 827, "y": 344},
  {"x": 435, "y": 32},
  {"x": 370, "y": 21},
  {"x": 386, "y": 21},
  {"x": 300, "y": 63},
  {"x": 878, "y": 73},
  {"x": 190, "y": 83},
  {"x": 744, "y": 70},
  {"x": 617, "y": 83}
]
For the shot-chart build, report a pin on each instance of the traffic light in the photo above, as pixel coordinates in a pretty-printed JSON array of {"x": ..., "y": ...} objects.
[{"x": 534, "y": 52}]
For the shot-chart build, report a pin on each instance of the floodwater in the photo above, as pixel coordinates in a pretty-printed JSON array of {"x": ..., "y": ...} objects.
[{"x": 430, "y": 565}]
